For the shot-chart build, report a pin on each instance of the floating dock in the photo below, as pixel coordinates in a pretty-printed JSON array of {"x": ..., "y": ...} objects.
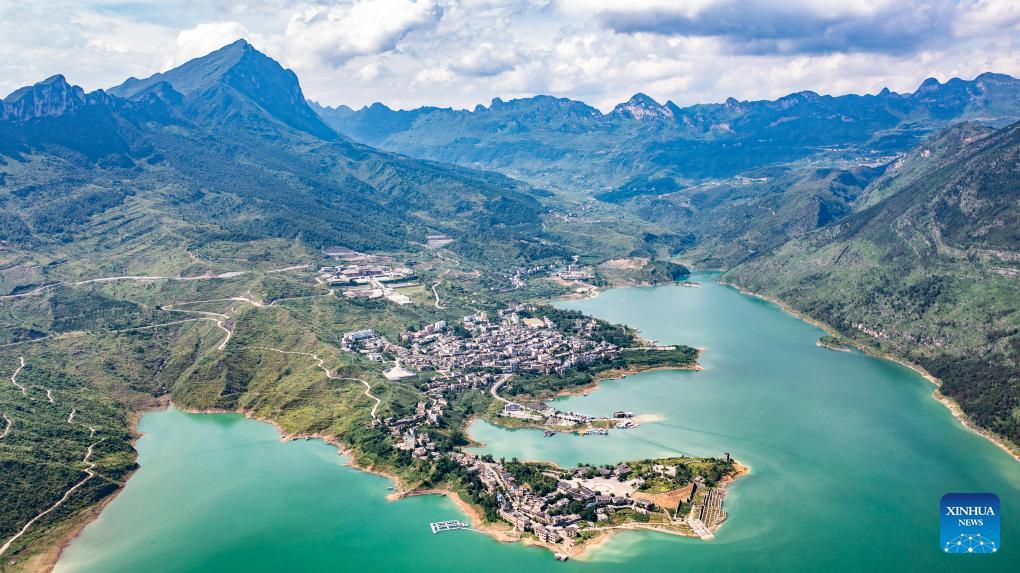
[{"x": 438, "y": 526}]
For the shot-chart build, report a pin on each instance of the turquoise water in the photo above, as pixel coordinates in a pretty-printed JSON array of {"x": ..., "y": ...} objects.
[{"x": 850, "y": 456}]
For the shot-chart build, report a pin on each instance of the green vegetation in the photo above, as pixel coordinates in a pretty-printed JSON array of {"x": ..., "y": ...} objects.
[
  {"x": 925, "y": 270},
  {"x": 543, "y": 386},
  {"x": 107, "y": 376},
  {"x": 834, "y": 342},
  {"x": 533, "y": 475},
  {"x": 225, "y": 203}
]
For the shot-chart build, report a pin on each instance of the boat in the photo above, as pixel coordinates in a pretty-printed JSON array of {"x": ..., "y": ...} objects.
[{"x": 548, "y": 433}]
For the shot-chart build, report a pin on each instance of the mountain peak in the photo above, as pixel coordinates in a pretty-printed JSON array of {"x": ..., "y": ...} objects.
[
  {"x": 194, "y": 75},
  {"x": 641, "y": 106},
  {"x": 231, "y": 78},
  {"x": 49, "y": 98},
  {"x": 641, "y": 98}
]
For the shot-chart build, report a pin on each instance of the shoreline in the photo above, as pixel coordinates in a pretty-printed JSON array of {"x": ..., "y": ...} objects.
[
  {"x": 47, "y": 560},
  {"x": 498, "y": 531},
  {"x": 827, "y": 346},
  {"x": 615, "y": 374},
  {"x": 954, "y": 408}
]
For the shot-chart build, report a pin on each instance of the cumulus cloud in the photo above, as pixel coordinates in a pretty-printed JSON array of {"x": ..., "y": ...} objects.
[
  {"x": 204, "y": 38},
  {"x": 336, "y": 34},
  {"x": 435, "y": 75},
  {"x": 487, "y": 59},
  {"x": 408, "y": 53}
]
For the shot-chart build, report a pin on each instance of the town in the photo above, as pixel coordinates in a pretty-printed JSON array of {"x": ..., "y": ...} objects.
[
  {"x": 485, "y": 354},
  {"x": 564, "y": 507},
  {"x": 560, "y": 508}
]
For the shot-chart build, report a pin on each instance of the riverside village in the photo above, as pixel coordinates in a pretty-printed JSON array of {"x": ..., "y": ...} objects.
[{"x": 558, "y": 508}]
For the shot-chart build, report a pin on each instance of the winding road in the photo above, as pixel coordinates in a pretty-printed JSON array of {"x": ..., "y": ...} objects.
[
  {"x": 495, "y": 387},
  {"x": 144, "y": 278},
  {"x": 7, "y": 428},
  {"x": 330, "y": 375},
  {"x": 89, "y": 467},
  {"x": 14, "y": 377},
  {"x": 439, "y": 304}
]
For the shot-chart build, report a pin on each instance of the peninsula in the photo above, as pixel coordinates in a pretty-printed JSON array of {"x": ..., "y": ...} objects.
[{"x": 528, "y": 351}]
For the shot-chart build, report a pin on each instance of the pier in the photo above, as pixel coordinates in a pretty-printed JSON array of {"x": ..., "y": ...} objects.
[{"x": 438, "y": 526}]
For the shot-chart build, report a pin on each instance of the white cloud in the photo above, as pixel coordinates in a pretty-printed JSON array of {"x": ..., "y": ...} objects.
[
  {"x": 333, "y": 35},
  {"x": 487, "y": 59},
  {"x": 204, "y": 38},
  {"x": 458, "y": 53},
  {"x": 436, "y": 75}
]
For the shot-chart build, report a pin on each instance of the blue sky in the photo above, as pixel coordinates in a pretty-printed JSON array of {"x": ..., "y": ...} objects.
[{"x": 408, "y": 53}]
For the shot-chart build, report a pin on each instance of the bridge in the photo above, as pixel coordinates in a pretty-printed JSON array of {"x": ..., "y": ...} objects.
[{"x": 438, "y": 526}]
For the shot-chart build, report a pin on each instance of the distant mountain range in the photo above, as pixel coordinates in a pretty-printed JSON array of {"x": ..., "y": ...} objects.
[
  {"x": 226, "y": 148},
  {"x": 644, "y": 147}
]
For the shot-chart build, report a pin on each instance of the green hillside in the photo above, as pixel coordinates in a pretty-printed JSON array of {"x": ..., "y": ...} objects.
[{"x": 927, "y": 269}]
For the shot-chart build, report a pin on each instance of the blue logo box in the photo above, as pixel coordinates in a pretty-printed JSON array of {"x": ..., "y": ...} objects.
[{"x": 969, "y": 523}]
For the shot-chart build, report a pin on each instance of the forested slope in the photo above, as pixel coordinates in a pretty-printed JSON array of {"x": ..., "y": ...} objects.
[{"x": 928, "y": 270}]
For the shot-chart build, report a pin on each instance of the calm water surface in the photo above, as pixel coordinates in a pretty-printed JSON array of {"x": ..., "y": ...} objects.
[{"x": 849, "y": 454}]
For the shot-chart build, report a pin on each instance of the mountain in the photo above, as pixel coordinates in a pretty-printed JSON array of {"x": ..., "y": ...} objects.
[
  {"x": 218, "y": 171},
  {"x": 226, "y": 148},
  {"x": 237, "y": 81},
  {"x": 641, "y": 106},
  {"x": 569, "y": 145},
  {"x": 925, "y": 268}
]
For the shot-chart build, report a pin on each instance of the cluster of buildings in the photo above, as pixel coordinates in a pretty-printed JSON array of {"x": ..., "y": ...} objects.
[
  {"x": 573, "y": 272},
  {"x": 511, "y": 343},
  {"x": 549, "y": 416},
  {"x": 548, "y": 516},
  {"x": 707, "y": 504},
  {"x": 370, "y": 281},
  {"x": 409, "y": 433},
  {"x": 484, "y": 354}
]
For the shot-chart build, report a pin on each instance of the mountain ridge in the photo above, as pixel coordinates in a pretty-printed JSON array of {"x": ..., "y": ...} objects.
[
  {"x": 231, "y": 154},
  {"x": 925, "y": 86},
  {"x": 567, "y": 144}
]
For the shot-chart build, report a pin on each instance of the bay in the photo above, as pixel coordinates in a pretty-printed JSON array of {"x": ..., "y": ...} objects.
[{"x": 850, "y": 456}]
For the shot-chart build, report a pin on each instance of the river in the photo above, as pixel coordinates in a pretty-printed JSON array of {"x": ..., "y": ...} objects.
[{"x": 850, "y": 456}]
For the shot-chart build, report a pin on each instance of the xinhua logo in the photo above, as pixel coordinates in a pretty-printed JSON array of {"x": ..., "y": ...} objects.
[{"x": 969, "y": 523}]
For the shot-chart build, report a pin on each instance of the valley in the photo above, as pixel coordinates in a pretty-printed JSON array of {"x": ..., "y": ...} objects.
[{"x": 439, "y": 292}]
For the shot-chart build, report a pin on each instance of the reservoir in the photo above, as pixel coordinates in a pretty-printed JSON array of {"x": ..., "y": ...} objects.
[{"x": 850, "y": 456}]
